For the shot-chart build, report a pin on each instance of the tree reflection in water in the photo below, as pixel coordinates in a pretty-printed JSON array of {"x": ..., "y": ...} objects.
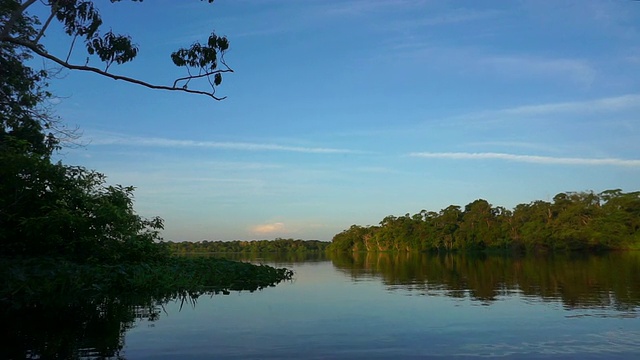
[
  {"x": 609, "y": 280},
  {"x": 78, "y": 328}
]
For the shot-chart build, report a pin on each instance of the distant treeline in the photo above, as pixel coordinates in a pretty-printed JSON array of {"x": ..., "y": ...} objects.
[
  {"x": 277, "y": 245},
  {"x": 573, "y": 221}
]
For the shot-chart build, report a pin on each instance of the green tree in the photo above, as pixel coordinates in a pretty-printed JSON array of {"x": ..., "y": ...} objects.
[
  {"x": 572, "y": 225},
  {"x": 428, "y": 231},
  {"x": 619, "y": 225},
  {"x": 396, "y": 233},
  {"x": 352, "y": 239},
  {"x": 50, "y": 209},
  {"x": 447, "y": 225},
  {"x": 531, "y": 226},
  {"x": 477, "y": 226}
]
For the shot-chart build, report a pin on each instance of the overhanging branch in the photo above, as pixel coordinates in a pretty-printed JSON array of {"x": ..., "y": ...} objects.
[{"x": 41, "y": 52}]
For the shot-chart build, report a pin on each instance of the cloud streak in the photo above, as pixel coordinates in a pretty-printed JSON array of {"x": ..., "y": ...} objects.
[
  {"x": 603, "y": 106},
  {"x": 453, "y": 17},
  {"x": 111, "y": 139},
  {"x": 609, "y": 104},
  {"x": 580, "y": 71},
  {"x": 528, "y": 158}
]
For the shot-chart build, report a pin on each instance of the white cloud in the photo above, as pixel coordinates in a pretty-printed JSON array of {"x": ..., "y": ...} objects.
[
  {"x": 118, "y": 139},
  {"x": 474, "y": 61},
  {"x": 528, "y": 158},
  {"x": 268, "y": 228},
  {"x": 608, "y": 104},
  {"x": 510, "y": 144}
]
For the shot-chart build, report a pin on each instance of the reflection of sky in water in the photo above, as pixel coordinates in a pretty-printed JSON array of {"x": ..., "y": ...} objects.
[{"x": 324, "y": 313}]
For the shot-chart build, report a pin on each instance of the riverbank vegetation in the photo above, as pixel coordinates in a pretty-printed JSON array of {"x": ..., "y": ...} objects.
[
  {"x": 30, "y": 281},
  {"x": 278, "y": 245},
  {"x": 609, "y": 220}
]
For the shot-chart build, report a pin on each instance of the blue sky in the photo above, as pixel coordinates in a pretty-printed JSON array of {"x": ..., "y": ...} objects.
[{"x": 343, "y": 112}]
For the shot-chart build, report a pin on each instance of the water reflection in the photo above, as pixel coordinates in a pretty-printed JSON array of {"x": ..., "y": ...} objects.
[
  {"x": 75, "y": 329},
  {"x": 609, "y": 280},
  {"x": 79, "y": 328}
]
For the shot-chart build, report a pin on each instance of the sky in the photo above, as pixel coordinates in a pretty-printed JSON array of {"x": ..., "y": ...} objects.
[{"x": 344, "y": 112}]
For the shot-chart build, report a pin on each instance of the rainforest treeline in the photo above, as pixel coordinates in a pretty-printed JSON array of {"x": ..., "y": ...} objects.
[
  {"x": 261, "y": 246},
  {"x": 609, "y": 220}
]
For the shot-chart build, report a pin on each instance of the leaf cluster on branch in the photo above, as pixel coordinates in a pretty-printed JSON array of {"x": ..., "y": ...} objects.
[{"x": 81, "y": 20}]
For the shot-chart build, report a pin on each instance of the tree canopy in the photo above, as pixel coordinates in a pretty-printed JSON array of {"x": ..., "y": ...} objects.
[{"x": 573, "y": 221}]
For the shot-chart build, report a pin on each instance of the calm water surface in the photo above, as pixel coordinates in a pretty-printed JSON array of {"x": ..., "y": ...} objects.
[{"x": 413, "y": 306}]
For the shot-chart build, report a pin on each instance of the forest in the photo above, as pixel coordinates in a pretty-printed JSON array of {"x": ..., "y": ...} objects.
[
  {"x": 256, "y": 246},
  {"x": 573, "y": 221}
]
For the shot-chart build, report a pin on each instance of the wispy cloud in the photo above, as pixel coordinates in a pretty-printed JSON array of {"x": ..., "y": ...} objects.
[
  {"x": 578, "y": 70},
  {"x": 527, "y": 158},
  {"x": 475, "y": 61},
  {"x": 608, "y": 105},
  {"x": 359, "y": 7},
  {"x": 453, "y": 17},
  {"x": 510, "y": 144},
  {"x": 116, "y": 139}
]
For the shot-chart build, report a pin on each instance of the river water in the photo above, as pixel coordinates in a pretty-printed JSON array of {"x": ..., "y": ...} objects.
[
  {"x": 397, "y": 306},
  {"x": 412, "y": 306}
]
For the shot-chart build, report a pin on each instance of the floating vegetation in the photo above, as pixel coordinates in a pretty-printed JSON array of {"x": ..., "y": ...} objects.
[{"x": 28, "y": 281}]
